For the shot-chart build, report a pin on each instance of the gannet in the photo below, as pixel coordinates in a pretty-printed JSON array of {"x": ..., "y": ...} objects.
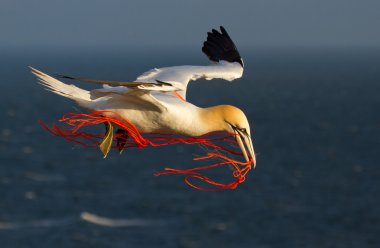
[{"x": 156, "y": 101}]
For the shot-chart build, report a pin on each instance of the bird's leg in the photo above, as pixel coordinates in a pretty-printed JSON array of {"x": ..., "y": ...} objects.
[
  {"x": 121, "y": 139},
  {"x": 106, "y": 144}
]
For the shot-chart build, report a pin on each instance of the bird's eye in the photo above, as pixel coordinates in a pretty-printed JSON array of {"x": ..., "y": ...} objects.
[{"x": 243, "y": 130}]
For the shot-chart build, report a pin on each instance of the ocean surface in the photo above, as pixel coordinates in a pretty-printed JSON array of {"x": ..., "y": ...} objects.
[{"x": 315, "y": 118}]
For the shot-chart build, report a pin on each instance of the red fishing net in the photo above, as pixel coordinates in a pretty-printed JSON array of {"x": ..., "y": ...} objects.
[{"x": 220, "y": 147}]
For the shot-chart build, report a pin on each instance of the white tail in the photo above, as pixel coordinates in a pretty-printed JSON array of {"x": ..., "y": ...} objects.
[{"x": 82, "y": 97}]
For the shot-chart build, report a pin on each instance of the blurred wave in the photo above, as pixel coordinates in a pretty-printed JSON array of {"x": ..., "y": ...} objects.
[
  {"x": 84, "y": 216},
  {"x": 104, "y": 221}
]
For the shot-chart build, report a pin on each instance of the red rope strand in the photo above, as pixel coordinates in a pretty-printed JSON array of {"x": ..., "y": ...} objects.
[{"x": 220, "y": 146}]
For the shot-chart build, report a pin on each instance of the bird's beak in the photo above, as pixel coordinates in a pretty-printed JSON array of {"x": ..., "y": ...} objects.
[{"x": 245, "y": 143}]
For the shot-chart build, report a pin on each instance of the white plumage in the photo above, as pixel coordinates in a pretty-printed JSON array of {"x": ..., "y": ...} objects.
[{"x": 180, "y": 76}]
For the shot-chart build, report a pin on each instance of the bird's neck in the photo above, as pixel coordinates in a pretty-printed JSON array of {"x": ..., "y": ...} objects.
[{"x": 212, "y": 119}]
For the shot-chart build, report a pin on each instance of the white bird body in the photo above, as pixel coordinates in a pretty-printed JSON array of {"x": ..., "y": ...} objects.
[
  {"x": 156, "y": 101},
  {"x": 170, "y": 116}
]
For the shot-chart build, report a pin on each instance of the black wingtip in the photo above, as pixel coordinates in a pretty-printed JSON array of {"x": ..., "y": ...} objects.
[
  {"x": 219, "y": 46},
  {"x": 63, "y": 76}
]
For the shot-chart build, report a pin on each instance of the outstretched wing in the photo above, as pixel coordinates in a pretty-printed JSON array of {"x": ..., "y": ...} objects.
[
  {"x": 221, "y": 50},
  {"x": 157, "y": 86}
]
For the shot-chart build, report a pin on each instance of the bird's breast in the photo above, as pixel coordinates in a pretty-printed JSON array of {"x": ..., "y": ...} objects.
[{"x": 182, "y": 119}]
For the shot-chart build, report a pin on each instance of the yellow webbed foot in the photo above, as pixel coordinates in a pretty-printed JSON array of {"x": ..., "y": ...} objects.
[{"x": 106, "y": 144}]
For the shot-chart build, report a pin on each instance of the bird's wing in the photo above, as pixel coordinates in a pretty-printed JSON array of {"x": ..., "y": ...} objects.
[
  {"x": 122, "y": 97},
  {"x": 130, "y": 91},
  {"x": 180, "y": 76},
  {"x": 123, "y": 86},
  {"x": 219, "y": 48}
]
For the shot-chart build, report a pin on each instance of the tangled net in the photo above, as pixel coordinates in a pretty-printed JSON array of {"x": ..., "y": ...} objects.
[{"x": 73, "y": 123}]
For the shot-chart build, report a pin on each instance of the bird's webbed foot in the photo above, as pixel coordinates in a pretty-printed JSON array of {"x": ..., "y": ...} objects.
[{"x": 106, "y": 144}]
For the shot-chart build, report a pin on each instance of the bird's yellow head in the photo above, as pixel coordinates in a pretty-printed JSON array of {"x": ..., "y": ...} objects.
[{"x": 233, "y": 120}]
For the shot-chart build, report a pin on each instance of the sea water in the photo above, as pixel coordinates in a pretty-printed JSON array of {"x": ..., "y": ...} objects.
[{"x": 315, "y": 122}]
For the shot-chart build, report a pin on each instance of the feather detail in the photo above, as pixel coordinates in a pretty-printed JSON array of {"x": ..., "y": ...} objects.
[{"x": 219, "y": 46}]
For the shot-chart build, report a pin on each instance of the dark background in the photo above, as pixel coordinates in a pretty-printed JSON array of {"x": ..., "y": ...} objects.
[{"x": 311, "y": 95}]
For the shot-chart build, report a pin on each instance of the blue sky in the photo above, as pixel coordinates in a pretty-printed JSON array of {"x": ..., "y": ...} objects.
[{"x": 175, "y": 23}]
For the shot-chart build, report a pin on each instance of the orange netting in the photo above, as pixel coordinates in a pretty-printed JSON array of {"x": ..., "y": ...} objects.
[{"x": 210, "y": 142}]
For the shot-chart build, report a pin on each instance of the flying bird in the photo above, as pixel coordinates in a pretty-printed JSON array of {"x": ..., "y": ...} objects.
[{"x": 156, "y": 101}]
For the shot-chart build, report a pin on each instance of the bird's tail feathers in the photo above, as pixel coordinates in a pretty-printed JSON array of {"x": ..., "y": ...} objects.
[{"x": 79, "y": 95}]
